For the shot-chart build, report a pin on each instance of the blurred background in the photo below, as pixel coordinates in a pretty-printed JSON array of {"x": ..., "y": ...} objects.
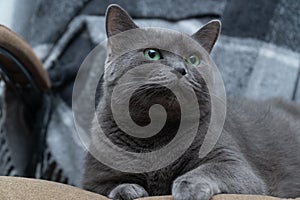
[{"x": 258, "y": 53}]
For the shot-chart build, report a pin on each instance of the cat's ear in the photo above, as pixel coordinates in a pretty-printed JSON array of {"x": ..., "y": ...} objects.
[
  {"x": 117, "y": 20},
  {"x": 208, "y": 34}
]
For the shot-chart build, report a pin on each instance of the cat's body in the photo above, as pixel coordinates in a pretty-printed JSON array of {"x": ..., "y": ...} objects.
[
  {"x": 257, "y": 152},
  {"x": 267, "y": 135}
]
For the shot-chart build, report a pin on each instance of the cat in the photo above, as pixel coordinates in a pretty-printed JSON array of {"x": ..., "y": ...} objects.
[{"x": 257, "y": 152}]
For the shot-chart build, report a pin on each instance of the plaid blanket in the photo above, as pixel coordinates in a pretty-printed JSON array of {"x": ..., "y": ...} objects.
[{"x": 257, "y": 53}]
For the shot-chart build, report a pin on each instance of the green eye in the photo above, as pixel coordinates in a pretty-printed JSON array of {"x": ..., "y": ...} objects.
[
  {"x": 152, "y": 54},
  {"x": 193, "y": 60}
]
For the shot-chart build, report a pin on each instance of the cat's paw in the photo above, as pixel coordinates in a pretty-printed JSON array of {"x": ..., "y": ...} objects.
[
  {"x": 128, "y": 192},
  {"x": 191, "y": 188}
]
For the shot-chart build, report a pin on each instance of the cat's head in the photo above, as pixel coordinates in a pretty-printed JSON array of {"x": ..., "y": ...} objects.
[
  {"x": 130, "y": 47},
  {"x": 118, "y": 21}
]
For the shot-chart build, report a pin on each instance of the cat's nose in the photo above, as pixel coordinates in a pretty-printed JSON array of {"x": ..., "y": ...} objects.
[
  {"x": 181, "y": 70},
  {"x": 179, "y": 67}
]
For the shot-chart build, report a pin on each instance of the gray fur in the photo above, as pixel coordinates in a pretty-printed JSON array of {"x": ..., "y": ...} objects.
[{"x": 257, "y": 153}]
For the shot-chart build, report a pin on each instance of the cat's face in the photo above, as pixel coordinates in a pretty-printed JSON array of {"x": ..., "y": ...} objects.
[{"x": 153, "y": 48}]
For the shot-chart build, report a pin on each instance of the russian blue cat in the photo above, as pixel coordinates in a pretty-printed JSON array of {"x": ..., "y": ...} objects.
[{"x": 257, "y": 152}]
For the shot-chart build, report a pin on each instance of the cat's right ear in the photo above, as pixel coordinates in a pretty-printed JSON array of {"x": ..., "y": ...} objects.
[{"x": 117, "y": 20}]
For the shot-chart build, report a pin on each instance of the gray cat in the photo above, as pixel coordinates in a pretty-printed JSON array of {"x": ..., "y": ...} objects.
[{"x": 257, "y": 152}]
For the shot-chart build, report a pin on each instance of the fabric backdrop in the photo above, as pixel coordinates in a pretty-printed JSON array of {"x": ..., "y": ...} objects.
[{"x": 257, "y": 52}]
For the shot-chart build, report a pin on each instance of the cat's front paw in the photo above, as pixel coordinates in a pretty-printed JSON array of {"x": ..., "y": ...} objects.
[
  {"x": 128, "y": 192},
  {"x": 191, "y": 188}
]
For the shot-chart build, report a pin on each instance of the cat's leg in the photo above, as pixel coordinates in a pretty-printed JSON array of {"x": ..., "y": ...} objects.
[
  {"x": 106, "y": 181},
  {"x": 115, "y": 188},
  {"x": 128, "y": 192},
  {"x": 215, "y": 178}
]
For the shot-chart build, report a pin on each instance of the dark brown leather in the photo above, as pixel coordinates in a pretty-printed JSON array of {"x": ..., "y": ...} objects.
[{"x": 15, "y": 45}]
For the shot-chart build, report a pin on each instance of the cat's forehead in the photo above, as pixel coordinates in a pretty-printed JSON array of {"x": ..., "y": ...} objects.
[{"x": 159, "y": 38}]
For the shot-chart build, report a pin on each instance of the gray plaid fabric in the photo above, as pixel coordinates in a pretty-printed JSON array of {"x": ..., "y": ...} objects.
[
  {"x": 257, "y": 53},
  {"x": 16, "y": 137}
]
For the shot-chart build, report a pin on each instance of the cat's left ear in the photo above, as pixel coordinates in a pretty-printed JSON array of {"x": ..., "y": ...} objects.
[
  {"x": 208, "y": 34},
  {"x": 118, "y": 20}
]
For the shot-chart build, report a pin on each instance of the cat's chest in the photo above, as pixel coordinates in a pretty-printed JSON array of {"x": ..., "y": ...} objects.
[{"x": 159, "y": 183}]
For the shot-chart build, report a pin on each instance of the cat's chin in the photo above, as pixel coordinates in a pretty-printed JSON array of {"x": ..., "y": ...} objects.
[
  {"x": 169, "y": 102},
  {"x": 169, "y": 82}
]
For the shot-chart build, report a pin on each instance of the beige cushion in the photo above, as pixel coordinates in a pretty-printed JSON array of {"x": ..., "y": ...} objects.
[
  {"x": 223, "y": 197},
  {"x": 13, "y": 188}
]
